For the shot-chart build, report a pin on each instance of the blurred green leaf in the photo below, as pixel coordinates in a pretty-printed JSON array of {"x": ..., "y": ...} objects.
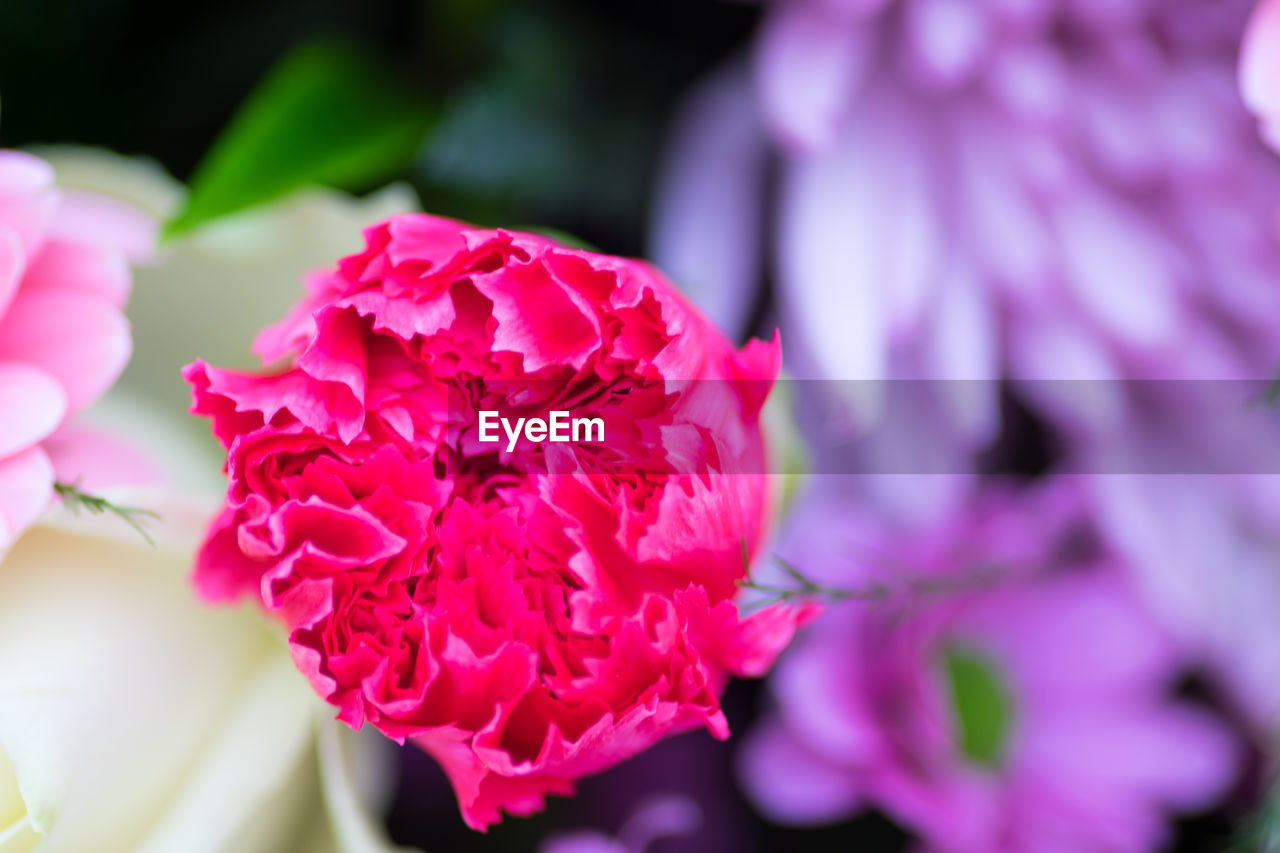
[
  {"x": 564, "y": 238},
  {"x": 1260, "y": 832},
  {"x": 982, "y": 705},
  {"x": 324, "y": 115}
]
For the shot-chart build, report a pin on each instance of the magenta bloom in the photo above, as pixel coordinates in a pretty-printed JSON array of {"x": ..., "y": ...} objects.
[
  {"x": 64, "y": 279},
  {"x": 527, "y": 614},
  {"x": 1015, "y": 696},
  {"x": 983, "y": 190}
]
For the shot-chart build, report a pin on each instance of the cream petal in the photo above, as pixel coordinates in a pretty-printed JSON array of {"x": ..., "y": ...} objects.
[
  {"x": 112, "y": 680},
  {"x": 19, "y": 837},
  {"x": 354, "y": 829},
  {"x": 16, "y": 832},
  {"x": 247, "y": 766}
]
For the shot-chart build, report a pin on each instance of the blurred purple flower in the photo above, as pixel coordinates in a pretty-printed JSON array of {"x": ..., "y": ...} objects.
[
  {"x": 1203, "y": 551},
  {"x": 660, "y": 817},
  {"x": 980, "y": 189},
  {"x": 1006, "y": 691},
  {"x": 1260, "y": 68}
]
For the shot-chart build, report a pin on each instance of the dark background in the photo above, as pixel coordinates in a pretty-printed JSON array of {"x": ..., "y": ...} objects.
[{"x": 548, "y": 111}]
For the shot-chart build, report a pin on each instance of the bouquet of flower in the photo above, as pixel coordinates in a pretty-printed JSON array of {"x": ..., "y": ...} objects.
[{"x": 929, "y": 462}]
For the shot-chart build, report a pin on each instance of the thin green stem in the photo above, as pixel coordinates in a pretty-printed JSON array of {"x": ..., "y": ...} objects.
[{"x": 74, "y": 499}]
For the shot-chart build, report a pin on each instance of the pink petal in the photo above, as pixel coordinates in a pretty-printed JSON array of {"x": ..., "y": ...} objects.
[
  {"x": 32, "y": 403},
  {"x": 24, "y": 174},
  {"x": 27, "y": 199},
  {"x": 12, "y": 263},
  {"x": 26, "y": 487},
  {"x": 107, "y": 223},
  {"x": 97, "y": 460},
  {"x": 81, "y": 341},
  {"x": 81, "y": 267},
  {"x": 538, "y": 318}
]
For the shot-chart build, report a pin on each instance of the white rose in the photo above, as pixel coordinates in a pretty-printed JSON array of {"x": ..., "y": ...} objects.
[{"x": 135, "y": 718}]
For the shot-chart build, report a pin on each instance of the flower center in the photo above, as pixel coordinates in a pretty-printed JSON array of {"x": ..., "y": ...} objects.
[{"x": 981, "y": 705}]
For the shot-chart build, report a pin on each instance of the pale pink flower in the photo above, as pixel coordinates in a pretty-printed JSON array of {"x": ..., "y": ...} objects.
[{"x": 64, "y": 279}]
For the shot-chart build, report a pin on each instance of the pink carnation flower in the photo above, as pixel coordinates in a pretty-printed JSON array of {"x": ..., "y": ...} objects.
[
  {"x": 1030, "y": 709},
  {"x": 64, "y": 279},
  {"x": 526, "y": 616}
]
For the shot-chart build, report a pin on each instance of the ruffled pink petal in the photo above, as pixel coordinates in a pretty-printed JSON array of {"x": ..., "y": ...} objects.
[
  {"x": 539, "y": 318},
  {"x": 525, "y": 630}
]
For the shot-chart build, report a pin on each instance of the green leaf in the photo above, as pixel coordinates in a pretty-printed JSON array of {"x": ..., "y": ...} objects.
[
  {"x": 982, "y": 705},
  {"x": 564, "y": 238},
  {"x": 1260, "y": 832},
  {"x": 324, "y": 116}
]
